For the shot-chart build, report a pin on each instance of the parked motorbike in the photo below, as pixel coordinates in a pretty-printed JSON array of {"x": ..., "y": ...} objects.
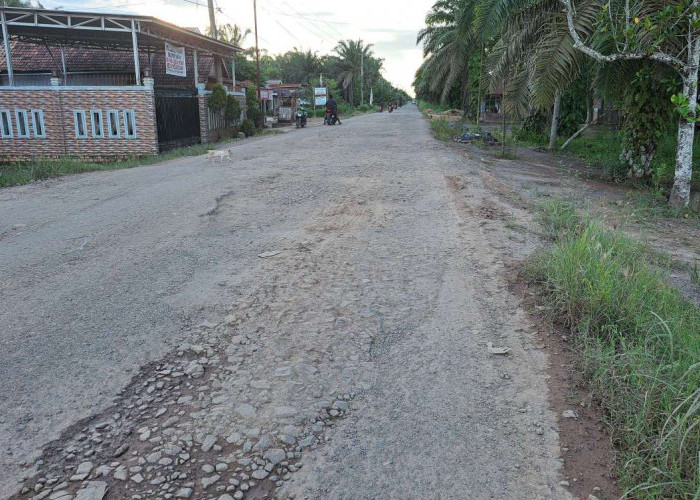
[
  {"x": 301, "y": 117},
  {"x": 331, "y": 118}
]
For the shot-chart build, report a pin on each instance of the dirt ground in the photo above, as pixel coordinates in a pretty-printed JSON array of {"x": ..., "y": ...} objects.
[
  {"x": 537, "y": 175},
  {"x": 319, "y": 318}
]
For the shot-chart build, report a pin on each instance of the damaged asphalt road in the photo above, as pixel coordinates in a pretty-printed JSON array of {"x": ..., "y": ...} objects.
[{"x": 309, "y": 320}]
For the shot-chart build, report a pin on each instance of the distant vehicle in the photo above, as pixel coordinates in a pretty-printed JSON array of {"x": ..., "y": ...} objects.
[
  {"x": 413, "y": 101},
  {"x": 301, "y": 118}
]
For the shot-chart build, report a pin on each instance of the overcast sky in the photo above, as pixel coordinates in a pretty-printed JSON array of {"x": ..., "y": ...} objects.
[{"x": 391, "y": 25}]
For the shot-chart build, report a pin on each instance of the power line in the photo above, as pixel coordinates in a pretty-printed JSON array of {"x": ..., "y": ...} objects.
[
  {"x": 330, "y": 24},
  {"x": 313, "y": 32},
  {"x": 309, "y": 20},
  {"x": 285, "y": 29},
  {"x": 305, "y": 17},
  {"x": 99, "y": 7},
  {"x": 223, "y": 12}
]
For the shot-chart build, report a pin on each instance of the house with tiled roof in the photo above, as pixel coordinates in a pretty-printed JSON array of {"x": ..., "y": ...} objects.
[{"x": 99, "y": 85}]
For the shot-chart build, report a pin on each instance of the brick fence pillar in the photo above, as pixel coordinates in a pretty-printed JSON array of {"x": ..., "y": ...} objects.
[{"x": 204, "y": 133}]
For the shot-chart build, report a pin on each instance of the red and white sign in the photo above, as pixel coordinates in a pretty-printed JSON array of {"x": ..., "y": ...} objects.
[
  {"x": 175, "y": 60},
  {"x": 265, "y": 95}
]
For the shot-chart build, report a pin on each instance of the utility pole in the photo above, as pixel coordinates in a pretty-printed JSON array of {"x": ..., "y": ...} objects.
[
  {"x": 257, "y": 59},
  {"x": 213, "y": 34},
  {"x": 212, "y": 19}
]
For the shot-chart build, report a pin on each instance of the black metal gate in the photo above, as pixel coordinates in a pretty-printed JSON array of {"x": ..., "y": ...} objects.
[{"x": 177, "y": 116}]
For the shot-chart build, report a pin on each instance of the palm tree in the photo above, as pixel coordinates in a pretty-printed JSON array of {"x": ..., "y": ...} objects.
[
  {"x": 350, "y": 55},
  {"x": 299, "y": 67},
  {"x": 231, "y": 33},
  {"x": 448, "y": 43}
]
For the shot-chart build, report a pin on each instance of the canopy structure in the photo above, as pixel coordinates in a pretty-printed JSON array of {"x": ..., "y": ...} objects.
[{"x": 102, "y": 30}]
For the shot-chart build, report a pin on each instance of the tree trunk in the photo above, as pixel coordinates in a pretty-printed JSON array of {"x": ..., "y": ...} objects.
[
  {"x": 555, "y": 121},
  {"x": 579, "y": 132},
  {"x": 680, "y": 193},
  {"x": 589, "y": 110},
  {"x": 597, "y": 104},
  {"x": 481, "y": 75}
]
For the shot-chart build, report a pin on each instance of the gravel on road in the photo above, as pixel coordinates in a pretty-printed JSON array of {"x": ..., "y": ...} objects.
[{"x": 309, "y": 320}]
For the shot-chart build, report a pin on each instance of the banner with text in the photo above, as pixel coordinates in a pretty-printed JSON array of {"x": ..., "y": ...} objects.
[{"x": 175, "y": 60}]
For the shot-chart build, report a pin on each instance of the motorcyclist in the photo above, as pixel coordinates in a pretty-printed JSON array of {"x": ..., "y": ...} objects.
[
  {"x": 381, "y": 106},
  {"x": 333, "y": 107}
]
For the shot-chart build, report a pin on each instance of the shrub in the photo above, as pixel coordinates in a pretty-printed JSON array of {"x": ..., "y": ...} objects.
[
  {"x": 233, "y": 109},
  {"x": 365, "y": 108},
  {"x": 444, "y": 130},
  {"x": 533, "y": 130},
  {"x": 253, "y": 105},
  {"x": 248, "y": 127},
  {"x": 218, "y": 98},
  {"x": 647, "y": 114}
]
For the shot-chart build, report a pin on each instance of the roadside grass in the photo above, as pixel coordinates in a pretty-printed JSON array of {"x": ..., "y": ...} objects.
[
  {"x": 14, "y": 174},
  {"x": 639, "y": 346},
  {"x": 601, "y": 150},
  {"x": 423, "y": 106},
  {"x": 649, "y": 207},
  {"x": 695, "y": 274},
  {"x": 442, "y": 131}
]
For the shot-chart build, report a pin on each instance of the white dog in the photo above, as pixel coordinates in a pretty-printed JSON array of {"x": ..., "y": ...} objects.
[{"x": 220, "y": 154}]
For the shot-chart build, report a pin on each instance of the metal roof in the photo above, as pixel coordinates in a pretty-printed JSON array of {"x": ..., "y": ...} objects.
[{"x": 104, "y": 30}]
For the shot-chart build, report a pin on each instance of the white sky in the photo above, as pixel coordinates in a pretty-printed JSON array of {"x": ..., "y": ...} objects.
[{"x": 391, "y": 25}]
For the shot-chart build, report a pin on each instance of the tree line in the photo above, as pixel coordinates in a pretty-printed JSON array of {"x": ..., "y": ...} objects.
[
  {"x": 350, "y": 72},
  {"x": 561, "y": 63}
]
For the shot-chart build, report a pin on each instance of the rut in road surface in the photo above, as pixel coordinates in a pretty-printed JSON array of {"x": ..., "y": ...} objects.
[{"x": 352, "y": 361}]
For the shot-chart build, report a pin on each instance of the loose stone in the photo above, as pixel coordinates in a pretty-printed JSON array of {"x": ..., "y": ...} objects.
[
  {"x": 184, "y": 493},
  {"x": 208, "y": 481},
  {"x": 208, "y": 443}
]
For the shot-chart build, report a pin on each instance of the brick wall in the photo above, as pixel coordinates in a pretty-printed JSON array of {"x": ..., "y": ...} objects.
[{"x": 58, "y": 104}]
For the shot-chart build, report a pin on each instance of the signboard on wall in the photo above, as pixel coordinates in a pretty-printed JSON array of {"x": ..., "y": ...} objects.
[{"x": 175, "y": 60}]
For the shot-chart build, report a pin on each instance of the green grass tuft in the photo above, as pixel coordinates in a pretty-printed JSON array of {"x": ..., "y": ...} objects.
[
  {"x": 640, "y": 347},
  {"x": 558, "y": 219},
  {"x": 14, "y": 174},
  {"x": 444, "y": 132}
]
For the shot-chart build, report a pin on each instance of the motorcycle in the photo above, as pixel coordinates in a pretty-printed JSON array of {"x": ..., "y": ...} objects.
[
  {"x": 330, "y": 118},
  {"x": 301, "y": 118},
  {"x": 391, "y": 108}
]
